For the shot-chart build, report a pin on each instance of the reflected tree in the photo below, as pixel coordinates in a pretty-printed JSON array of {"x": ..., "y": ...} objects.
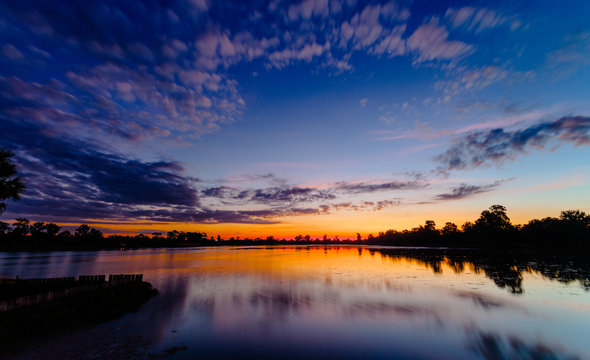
[{"x": 505, "y": 269}]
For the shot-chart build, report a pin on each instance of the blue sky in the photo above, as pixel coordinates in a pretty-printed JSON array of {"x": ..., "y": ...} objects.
[{"x": 274, "y": 115}]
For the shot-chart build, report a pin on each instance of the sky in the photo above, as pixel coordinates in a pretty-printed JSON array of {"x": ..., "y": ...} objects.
[{"x": 258, "y": 118}]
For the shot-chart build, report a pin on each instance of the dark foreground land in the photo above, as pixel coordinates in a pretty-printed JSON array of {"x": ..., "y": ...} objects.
[{"x": 27, "y": 325}]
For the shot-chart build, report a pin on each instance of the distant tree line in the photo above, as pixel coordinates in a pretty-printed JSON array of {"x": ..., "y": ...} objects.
[
  {"x": 24, "y": 235},
  {"x": 492, "y": 229}
]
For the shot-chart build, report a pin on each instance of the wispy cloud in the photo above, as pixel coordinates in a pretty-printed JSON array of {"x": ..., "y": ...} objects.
[
  {"x": 463, "y": 79},
  {"x": 179, "y": 86},
  {"x": 361, "y": 206},
  {"x": 477, "y": 20},
  {"x": 12, "y": 52},
  {"x": 364, "y": 187},
  {"x": 421, "y": 130},
  {"x": 464, "y": 190},
  {"x": 572, "y": 56},
  {"x": 142, "y": 74},
  {"x": 430, "y": 42},
  {"x": 495, "y": 146},
  {"x": 283, "y": 196}
]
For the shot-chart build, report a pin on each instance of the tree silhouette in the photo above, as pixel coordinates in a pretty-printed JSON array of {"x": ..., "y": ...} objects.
[
  {"x": 467, "y": 227},
  {"x": 429, "y": 225},
  {"x": 21, "y": 228},
  {"x": 4, "y": 228},
  {"x": 85, "y": 232},
  {"x": 494, "y": 219},
  {"x": 449, "y": 229},
  {"x": 38, "y": 229},
  {"x": 576, "y": 225},
  {"x": 52, "y": 229},
  {"x": 575, "y": 218},
  {"x": 11, "y": 186}
]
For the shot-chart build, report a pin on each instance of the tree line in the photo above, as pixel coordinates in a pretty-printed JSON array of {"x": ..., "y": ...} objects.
[
  {"x": 24, "y": 235},
  {"x": 494, "y": 228},
  {"x": 571, "y": 230}
]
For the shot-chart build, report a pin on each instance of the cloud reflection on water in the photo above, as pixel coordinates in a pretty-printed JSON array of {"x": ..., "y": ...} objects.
[{"x": 342, "y": 302}]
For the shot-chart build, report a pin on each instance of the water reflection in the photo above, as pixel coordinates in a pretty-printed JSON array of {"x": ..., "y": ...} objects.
[
  {"x": 506, "y": 270},
  {"x": 345, "y": 301}
]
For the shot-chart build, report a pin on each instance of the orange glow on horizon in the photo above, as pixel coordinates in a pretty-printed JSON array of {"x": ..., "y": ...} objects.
[{"x": 344, "y": 224}]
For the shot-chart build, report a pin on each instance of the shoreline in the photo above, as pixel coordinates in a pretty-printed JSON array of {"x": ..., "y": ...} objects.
[
  {"x": 522, "y": 248},
  {"x": 23, "y": 327}
]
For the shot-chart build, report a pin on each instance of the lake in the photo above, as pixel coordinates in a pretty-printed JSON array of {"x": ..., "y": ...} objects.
[{"x": 340, "y": 302}]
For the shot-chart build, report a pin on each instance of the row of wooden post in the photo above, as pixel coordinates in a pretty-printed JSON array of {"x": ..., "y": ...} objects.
[
  {"x": 126, "y": 278},
  {"x": 71, "y": 279},
  {"x": 51, "y": 288}
]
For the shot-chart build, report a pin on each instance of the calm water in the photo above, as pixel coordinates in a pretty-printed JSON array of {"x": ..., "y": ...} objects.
[{"x": 341, "y": 302}]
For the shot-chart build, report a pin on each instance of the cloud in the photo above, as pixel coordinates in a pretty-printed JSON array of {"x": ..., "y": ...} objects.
[
  {"x": 430, "y": 42},
  {"x": 572, "y": 56},
  {"x": 391, "y": 43},
  {"x": 178, "y": 36},
  {"x": 68, "y": 170},
  {"x": 161, "y": 71},
  {"x": 276, "y": 196},
  {"x": 11, "y": 52},
  {"x": 375, "y": 28},
  {"x": 289, "y": 195},
  {"x": 280, "y": 193},
  {"x": 363, "y": 187},
  {"x": 483, "y": 148},
  {"x": 152, "y": 73},
  {"x": 73, "y": 180},
  {"x": 308, "y": 8},
  {"x": 307, "y": 52},
  {"x": 382, "y": 204},
  {"x": 361, "y": 206},
  {"x": 478, "y": 20},
  {"x": 217, "y": 192},
  {"x": 101, "y": 212},
  {"x": 69, "y": 180},
  {"x": 421, "y": 130},
  {"x": 265, "y": 216},
  {"x": 139, "y": 73},
  {"x": 363, "y": 29},
  {"x": 464, "y": 191},
  {"x": 471, "y": 80}
]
